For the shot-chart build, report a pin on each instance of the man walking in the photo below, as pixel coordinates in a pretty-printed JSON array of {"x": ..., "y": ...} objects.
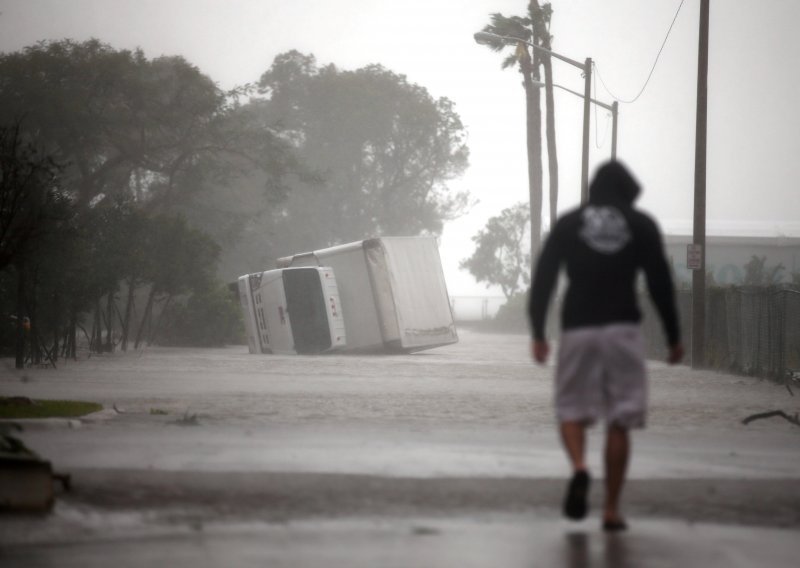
[{"x": 600, "y": 370}]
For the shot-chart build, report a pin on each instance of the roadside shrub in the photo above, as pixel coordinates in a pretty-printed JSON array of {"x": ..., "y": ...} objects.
[
  {"x": 208, "y": 318},
  {"x": 512, "y": 316}
]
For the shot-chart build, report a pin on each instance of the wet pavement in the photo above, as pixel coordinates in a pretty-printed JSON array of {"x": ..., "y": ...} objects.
[
  {"x": 522, "y": 541},
  {"x": 442, "y": 458}
]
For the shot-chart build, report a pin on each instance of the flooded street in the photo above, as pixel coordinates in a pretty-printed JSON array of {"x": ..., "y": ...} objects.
[{"x": 348, "y": 460}]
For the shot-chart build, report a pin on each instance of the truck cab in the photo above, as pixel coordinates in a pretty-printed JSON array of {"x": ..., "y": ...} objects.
[{"x": 292, "y": 310}]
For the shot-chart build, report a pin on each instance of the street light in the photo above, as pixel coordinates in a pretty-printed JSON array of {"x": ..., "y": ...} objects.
[
  {"x": 699, "y": 221},
  {"x": 485, "y": 38},
  {"x": 613, "y": 108}
]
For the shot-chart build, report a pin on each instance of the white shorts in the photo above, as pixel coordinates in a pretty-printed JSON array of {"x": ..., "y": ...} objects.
[{"x": 601, "y": 373}]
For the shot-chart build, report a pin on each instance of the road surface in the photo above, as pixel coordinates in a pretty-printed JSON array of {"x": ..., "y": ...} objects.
[{"x": 441, "y": 458}]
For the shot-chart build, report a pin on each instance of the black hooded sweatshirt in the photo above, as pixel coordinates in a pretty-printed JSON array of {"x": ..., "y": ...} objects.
[{"x": 603, "y": 244}]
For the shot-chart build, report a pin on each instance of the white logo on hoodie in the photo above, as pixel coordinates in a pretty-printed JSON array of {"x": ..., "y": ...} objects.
[{"x": 604, "y": 229}]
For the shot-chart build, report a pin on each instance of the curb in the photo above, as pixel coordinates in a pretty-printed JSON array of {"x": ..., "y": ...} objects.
[
  {"x": 29, "y": 424},
  {"x": 99, "y": 416}
]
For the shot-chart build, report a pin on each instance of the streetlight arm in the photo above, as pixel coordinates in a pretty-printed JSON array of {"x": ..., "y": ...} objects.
[
  {"x": 586, "y": 67},
  {"x": 485, "y": 38},
  {"x": 576, "y": 93}
]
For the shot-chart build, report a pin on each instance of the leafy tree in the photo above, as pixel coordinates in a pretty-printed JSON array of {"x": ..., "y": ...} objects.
[
  {"x": 182, "y": 260},
  {"x": 31, "y": 206},
  {"x": 156, "y": 130},
  {"x": 382, "y": 148},
  {"x": 513, "y": 315},
  {"x": 111, "y": 234},
  {"x": 134, "y": 137},
  {"x": 757, "y": 273},
  {"x": 501, "y": 257},
  {"x": 534, "y": 29},
  {"x": 210, "y": 317},
  {"x": 27, "y": 186}
]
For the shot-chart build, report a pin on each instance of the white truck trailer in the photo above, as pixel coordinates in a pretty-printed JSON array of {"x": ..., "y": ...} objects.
[
  {"x": 292, "y": 310},
  {"x": 393, "y": 293}
]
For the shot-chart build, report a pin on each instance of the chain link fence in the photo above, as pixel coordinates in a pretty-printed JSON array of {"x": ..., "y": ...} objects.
[
  {"x": 749, "y": 330},
  {"x": 475, "y": 308}
]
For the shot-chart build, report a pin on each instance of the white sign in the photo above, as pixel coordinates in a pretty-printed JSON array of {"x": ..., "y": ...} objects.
[{"x": 694, "y": 257}]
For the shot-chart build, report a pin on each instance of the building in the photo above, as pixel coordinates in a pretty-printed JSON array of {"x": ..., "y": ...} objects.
[{"x": 727, "y": 256}]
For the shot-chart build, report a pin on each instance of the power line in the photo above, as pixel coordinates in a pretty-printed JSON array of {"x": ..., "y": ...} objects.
[
  {"x": 634, "y": 99},
  {"x": 597, "y": 142}
]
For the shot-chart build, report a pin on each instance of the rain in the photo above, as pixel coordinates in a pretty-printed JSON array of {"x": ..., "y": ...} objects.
[{"x": 265, "y": 271}]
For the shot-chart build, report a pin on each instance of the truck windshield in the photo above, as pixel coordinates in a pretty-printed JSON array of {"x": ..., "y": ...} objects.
[{"x": 307, "y": 313}]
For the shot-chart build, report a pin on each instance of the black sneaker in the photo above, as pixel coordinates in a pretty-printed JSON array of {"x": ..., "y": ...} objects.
[
  {"x": 615, "y": 526},
  {"x": 576, "y": 504}
]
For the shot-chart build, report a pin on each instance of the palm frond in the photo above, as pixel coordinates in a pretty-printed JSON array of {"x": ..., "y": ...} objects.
[
  {"x": 512, "y": 26},
  {"x": 497, "y": 45},
  {"x": 510, "y": 61}
]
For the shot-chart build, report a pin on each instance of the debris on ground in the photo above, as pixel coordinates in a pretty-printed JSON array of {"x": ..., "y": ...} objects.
[{"x": 792, "y": 419}]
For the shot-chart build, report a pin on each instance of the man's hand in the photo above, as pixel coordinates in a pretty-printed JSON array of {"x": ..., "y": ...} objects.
[
  {"x": 675, "y": 354},
  {"x": 540, "y": 350}
]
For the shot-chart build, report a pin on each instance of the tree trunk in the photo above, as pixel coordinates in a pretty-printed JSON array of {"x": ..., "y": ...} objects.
[
  {"x": 56, "y": 343},
  {"x": 126, "y": 322},
  {"x": 148, "y": 314},
  {"x": 33, "y": 322},
  {"x": 534, "y": 141},
  {"x": 41, "y": 346},
  {"x": 154, "y": 332},
  {"x": 109, "y": 346},
  {"x": 56, "y": 325},
  {"x": 72, "y": 341},
  {"x": 20, "y": 347},
  {"x": 96, "y": 343},
  {"x": 552, "y": 153},
  {"x": 65, "y": 339}
]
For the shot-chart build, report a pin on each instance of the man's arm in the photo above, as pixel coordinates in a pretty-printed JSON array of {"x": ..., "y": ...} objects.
[
  {"x": 540, "y": 350},
  {"x": 662, "y": 291},
  {"x": 544, "y": 279}
]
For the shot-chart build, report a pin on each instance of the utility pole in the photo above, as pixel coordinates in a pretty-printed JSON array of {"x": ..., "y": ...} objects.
[
  {"x": 699, "y": 229},
  {"x": 586, "y": 67},
  {"x": 614, "y": 117},
  {"x": 587, "y": 97}
]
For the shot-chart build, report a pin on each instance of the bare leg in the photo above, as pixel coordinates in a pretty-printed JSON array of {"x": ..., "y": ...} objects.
[
  {"x": 616, "y": 461},
  {"x": 573, "y": 436},
  {"x": 576, "y": 504}
]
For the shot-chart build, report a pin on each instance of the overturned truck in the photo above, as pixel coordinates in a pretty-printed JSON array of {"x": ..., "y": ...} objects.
[
  {"x": 390, "y": 290},
  {"x": 293, "y": 310}
]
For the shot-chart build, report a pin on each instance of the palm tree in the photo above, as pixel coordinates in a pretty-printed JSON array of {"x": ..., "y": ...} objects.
[
  {"x": 541, "y": 17},
  {"x": 533, "y": 29}
]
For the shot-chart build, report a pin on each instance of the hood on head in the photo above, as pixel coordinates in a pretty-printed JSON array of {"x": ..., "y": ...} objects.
[{"x": 613, "y": 183}]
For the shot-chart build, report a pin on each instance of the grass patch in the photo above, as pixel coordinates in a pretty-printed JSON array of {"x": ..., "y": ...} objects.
[
  {"x": 158, "y": 412},
  {"x": 187, "y": 420},
  {"x": 23, "y": 407}
]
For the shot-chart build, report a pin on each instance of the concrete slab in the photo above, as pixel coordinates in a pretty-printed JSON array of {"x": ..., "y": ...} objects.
[{"x": 507, "y": 541}]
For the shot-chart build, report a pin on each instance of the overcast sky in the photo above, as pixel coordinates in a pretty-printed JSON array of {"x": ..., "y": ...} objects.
[{"x": 754, "y": 125}]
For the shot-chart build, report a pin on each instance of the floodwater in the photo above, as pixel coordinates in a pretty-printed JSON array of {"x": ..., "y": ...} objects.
[{"x": 440, "y": 458}]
